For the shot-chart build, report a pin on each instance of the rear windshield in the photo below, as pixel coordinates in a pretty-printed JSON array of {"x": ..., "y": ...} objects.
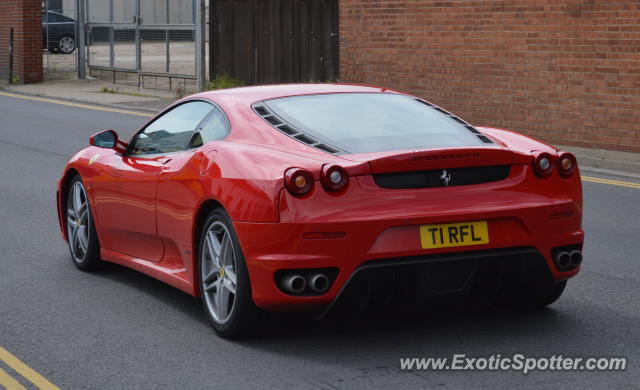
[{"x": 372, "y": 122}]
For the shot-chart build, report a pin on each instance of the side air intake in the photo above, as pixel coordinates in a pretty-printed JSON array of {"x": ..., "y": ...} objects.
[{"x": 291, "y": 131}]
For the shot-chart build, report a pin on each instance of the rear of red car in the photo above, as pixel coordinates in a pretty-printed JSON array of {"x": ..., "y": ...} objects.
[{"x": 412, "y": 216}]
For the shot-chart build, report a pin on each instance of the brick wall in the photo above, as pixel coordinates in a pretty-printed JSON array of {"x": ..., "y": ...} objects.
[
  {"x": 25, "y": 16},
  {"x": 567, "y": 72}
]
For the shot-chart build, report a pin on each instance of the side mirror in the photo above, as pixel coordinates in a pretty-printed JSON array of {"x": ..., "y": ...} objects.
[{"x": 104, "y": 139}]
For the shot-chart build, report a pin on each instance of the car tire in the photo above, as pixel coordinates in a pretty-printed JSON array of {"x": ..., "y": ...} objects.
[
  {"x": 81, "y": 231},
  {"x": 224, "y": 279},
  {"x": 66, "y": 44}
]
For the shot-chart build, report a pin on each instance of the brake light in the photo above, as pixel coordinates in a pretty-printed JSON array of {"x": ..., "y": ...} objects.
[
  {"x": 334, "y": 177},
  {"x": 567, "y": 164},
  {"x": 543, "y": 164},
  {"x": 298, "y": 181}
]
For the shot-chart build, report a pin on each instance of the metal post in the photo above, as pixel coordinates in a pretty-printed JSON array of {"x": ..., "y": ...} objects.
[
  {"x": 201, "y": 72},
  {"x": 213, "y": 27},
  {"x": 111, "y": 39},
  {"x": 138, "y": 42},
  {"x": 11, "y": 56},
  {"x": 81, "y": 18},
  {"x": 167, "y": 46},
  {"x": 46, "y": 15}
]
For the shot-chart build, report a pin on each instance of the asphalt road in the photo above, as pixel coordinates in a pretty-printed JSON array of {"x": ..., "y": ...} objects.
[{"x": 118, "y": 329}]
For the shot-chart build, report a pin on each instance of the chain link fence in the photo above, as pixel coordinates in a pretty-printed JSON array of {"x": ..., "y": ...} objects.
[
  {"x": 148, "y": 43},
  {"x": 59, "y": 35}
]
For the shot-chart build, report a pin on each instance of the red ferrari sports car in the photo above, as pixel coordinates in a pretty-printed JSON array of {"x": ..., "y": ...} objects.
[{"x": 315, "y": 197}]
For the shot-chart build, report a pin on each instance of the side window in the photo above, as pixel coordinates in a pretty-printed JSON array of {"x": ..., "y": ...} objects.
[
  {"x": 54, "y": 18},
  {"x": 66, "y": 19},
  {"x": 172, "y": 131},
  {"x": 214, "y": 127}
]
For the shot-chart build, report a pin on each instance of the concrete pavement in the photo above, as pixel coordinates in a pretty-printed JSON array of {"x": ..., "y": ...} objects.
[{"x": 93, "y": 91}]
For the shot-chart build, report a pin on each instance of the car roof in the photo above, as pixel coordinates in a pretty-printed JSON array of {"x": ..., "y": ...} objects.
[
  {"x": 248, "y": 95},
  {"x": 249, "y": 128}
]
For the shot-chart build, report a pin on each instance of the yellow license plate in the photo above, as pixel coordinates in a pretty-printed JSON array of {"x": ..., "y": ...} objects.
[{"x": 454, "y": 234}]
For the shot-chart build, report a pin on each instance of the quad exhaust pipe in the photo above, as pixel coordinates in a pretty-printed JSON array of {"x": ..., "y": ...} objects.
[
  {"x": 314, "y": 283},
  {"x": 319, "y": 283},
  {"x": 566, "y": 260},
  {"x": 294, "y": 284},
  {"x": 576, "y": 258},
  {"x": 563, "y": 260}
]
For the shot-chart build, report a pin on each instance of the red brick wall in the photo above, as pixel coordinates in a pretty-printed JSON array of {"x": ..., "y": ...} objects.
[
  {"x": 25, "y": 16},
  {"x": 567, "y": 72}
]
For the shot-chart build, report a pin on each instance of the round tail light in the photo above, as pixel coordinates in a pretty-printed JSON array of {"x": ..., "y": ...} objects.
[
  {"x": 567, "y": 164},
  {"x": 543, "y": 164},
  {"x": 334, "y": 178},
  {"x": 298, "y": 181}
]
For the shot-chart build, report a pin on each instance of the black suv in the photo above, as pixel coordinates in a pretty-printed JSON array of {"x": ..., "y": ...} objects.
[{"x": 58, "y": 32}]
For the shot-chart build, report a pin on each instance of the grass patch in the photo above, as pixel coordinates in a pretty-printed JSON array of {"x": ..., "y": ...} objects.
[{"x": 222, "y": 81}]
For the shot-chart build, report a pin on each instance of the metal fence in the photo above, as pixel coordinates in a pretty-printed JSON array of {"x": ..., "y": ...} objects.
[
  {"x": 149, "y": 43},
  {"x": 59, "y": 35}
]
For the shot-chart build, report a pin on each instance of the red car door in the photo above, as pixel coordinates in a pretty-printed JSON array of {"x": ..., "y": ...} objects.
[
  {"x": 125, "y": 196},
  {"x": 125, "y": 204},
  {"x": 183, "y": 181}
]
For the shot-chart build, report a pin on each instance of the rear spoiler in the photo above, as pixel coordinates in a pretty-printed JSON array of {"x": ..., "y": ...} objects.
[{"x": 439, "y": 159}]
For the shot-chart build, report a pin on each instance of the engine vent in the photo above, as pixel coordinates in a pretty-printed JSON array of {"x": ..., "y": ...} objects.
[
  {"x": 469, "y": 127},
  {"x": 438, "y": 177},
  {"x": 485, "y": 139},
  {"x": 291, "y": 131}
]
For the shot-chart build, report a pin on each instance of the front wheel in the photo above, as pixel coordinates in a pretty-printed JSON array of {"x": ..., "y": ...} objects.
[
  {"x": 81, "y": 232},
  {"x": 224, "y": 278}
]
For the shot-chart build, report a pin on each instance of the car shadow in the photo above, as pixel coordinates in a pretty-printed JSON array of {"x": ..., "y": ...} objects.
[
  {"x": 469, "y": 328},
  {"x": 433, "y": 332},
  {"x": 154, "y": 288}
]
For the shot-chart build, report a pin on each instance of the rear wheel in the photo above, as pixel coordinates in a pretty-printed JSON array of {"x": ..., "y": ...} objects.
[
  {"x": 224, "y": 278},
  {"x": 81, "y": 232}
]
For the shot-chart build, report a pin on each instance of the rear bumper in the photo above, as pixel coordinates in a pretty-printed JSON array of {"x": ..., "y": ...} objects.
[
  {"x": 522, "y": 211},
  {"x": 269, "y": 248}
]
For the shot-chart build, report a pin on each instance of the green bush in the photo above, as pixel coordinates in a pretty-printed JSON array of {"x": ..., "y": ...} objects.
[{"x": 222, "y": 81}]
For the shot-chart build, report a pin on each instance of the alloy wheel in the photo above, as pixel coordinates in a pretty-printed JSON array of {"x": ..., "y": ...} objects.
[
  {"x": 218, "y": 272},
  {"x": 78, "y": 221},
  {"x": 67, "y": 45}
]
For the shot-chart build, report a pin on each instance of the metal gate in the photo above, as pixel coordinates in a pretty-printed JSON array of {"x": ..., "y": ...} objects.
[
  {"x": 151, "y": 43},
  {"x": 59, "y": 37},
  {"x": 270, "y": 41}
]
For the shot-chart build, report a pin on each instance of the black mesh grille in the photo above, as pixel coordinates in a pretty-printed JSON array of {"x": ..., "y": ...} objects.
[
  {"x": 438, "y": 177},
  {"x": 499, "y": 276}
]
